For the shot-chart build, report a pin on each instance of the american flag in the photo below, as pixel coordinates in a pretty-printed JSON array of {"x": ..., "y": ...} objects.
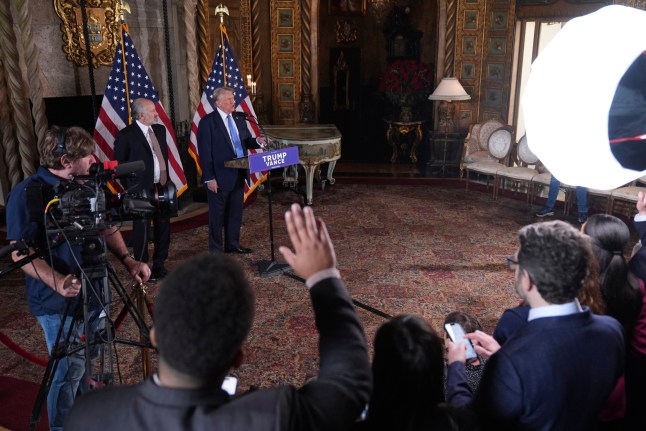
[
  {"x": 228, "y": 76},
  {"x": 128, "y": 81}
]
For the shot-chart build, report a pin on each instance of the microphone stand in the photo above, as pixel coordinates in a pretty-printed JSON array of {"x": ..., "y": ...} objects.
[{"x": 268, "y": 268}]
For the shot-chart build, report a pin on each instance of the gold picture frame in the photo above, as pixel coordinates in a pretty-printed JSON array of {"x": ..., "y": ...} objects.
[{"x": 103, "y": 30}]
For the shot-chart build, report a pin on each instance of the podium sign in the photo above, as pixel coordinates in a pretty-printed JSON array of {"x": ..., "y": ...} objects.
[{"x": 275, "y": 159}]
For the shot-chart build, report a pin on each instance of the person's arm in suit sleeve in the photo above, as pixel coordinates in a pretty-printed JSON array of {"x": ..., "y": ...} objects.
[
  {"x": 458, "y": 392},
  {"x": 341, "y": 390},
  {"x": 511, "y": 320},
  {"x": 205, "y": 148},
  {"x": 122, "y": 155},
  {"x": 121, "y": 149}
]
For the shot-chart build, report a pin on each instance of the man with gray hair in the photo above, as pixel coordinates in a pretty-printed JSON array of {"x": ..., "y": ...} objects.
[
  {"x": 145, "y": 140},
  {"x": 557, "y": 371}
]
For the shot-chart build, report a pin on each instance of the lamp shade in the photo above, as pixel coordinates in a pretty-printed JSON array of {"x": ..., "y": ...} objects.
[{"x": 449, "y": 89}]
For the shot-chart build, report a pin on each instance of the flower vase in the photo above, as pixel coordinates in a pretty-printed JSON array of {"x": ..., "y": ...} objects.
[{"x": 406, "y": 114}]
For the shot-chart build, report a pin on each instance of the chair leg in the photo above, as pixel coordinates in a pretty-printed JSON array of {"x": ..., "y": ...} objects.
[{"x": 496, "y": 184}]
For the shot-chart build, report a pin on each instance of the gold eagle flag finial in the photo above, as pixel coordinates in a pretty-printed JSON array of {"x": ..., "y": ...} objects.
[
  {"x": 220, "y": 11},
  {"x": 121, "y": 8}
]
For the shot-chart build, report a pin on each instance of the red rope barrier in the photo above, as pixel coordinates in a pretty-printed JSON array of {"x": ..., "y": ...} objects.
[{"x": 22, "y": 352}]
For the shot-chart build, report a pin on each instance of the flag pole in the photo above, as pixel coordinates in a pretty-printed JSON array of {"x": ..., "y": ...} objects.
[
  {"x": 223, "y": 34},
  {"x": 88, "y": 58},
  {"x": 124, "y": 29}
]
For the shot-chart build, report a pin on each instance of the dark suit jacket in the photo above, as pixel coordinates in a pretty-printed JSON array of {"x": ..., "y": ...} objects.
[
  {"x": 131, "y": 145},
  {"x": 512, "y": 320},
  {"x": 215, "y": 147},
  {"x": 332, "y": 401},
  {"x": 555, "y": 373}
]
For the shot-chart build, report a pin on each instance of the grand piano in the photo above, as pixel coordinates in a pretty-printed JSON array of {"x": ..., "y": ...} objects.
[{"x": 317, "y": 143}]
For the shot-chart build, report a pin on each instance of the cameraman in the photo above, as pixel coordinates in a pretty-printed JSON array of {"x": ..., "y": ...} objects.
[{"x": 51, "y": 290}]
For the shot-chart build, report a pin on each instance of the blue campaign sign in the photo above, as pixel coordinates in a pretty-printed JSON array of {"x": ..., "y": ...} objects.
[{"x": 273, "y": 159}]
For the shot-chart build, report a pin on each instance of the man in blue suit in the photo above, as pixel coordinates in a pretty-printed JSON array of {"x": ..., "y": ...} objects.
[
  {"x": 223, "y": 136},
  {"x": 557, "y": 371}
]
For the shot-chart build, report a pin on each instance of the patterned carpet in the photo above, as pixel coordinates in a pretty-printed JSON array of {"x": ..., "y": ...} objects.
[{"x": 422, "y": 249}]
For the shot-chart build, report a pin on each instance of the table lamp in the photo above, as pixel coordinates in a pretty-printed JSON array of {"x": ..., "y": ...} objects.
[{"x": 448, "y": 91}]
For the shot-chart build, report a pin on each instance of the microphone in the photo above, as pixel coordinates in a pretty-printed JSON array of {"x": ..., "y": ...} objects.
[
  {"x": 242, "y": 114},
  {"x": 125, "y": 169}
]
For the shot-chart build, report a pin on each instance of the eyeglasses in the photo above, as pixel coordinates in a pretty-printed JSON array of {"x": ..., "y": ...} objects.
[{"x": 512, "y": 263}]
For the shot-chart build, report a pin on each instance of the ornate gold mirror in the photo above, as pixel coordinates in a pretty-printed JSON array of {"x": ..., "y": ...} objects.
[{"x": 103, "y": 29}]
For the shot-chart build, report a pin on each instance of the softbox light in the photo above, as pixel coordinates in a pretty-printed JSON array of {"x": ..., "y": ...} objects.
[{"x": 572, "y": 92}]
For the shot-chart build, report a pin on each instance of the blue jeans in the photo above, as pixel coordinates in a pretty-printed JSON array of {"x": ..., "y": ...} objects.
[
  {"x": 581, "y": 196},
  {"x": 68, "y": 374},
  {"x": 70, "y": 369}
]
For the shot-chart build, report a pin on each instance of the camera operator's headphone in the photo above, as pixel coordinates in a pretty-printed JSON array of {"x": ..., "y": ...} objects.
[{"x": 59, "y": 149}]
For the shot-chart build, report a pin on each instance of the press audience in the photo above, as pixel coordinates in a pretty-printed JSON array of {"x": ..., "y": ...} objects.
[
  {"x": 408, "y": 375},
  {"x": 557, "y": 371},
  {"x": 203, "y": 314}
]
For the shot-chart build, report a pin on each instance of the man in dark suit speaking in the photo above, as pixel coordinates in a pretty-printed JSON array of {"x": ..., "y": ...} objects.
[
  {"x": 145, "y": 140},
  {"x": 222, "y": 135}
]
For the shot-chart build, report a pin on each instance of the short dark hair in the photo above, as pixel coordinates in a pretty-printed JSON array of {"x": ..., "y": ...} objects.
[
  {"x": 556, "y": 256},
  {"x": 203, "y": 313},
  {"x": 77, "y": 144},
  {"x": 467, "y": 321},
  {"x": 408, "y": 372}
]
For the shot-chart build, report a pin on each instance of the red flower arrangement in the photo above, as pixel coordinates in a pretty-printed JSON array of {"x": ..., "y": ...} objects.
[{"x": 406, "y": 82}]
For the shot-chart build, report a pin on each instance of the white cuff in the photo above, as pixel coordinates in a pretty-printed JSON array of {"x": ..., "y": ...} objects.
[
  {"x": 322, "y": 275},
  {"x": 640, "y": 217}
]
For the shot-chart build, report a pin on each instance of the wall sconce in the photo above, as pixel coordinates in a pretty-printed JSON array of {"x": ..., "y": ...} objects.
[
  {"x": 251, "y": 85},
  {"x": 448, "y": 91}
]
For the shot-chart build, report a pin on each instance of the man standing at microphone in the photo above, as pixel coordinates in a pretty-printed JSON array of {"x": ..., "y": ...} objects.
[
  {"x": 145, "y": 140},
  {"x": 222, "y": 135}
]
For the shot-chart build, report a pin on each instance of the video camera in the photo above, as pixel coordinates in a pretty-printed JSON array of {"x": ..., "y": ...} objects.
[{"x": 90, "y": 203}]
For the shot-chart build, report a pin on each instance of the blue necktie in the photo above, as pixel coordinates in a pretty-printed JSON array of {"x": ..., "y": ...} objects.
[{"x": 234, "y": 136}]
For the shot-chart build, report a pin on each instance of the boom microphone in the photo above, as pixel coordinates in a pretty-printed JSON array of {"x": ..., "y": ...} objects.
[{"x": 125, "y": 169}]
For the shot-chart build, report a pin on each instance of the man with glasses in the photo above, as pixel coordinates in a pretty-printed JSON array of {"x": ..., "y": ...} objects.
[{"x": 556, "y": 371}]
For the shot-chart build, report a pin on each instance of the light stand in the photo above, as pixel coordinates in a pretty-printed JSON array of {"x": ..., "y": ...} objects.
[{"x": 95, "y": 284}]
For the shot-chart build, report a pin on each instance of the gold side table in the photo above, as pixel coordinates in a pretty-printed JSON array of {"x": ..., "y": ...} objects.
[{"x": 400, "y": 133}]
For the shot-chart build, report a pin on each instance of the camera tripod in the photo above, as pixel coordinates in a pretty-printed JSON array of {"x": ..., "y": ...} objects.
[{"x": 87, "y": 335}]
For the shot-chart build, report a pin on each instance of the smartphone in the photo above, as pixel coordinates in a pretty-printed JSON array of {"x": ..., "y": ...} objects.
[
  {"x": 229, "y": 385},
  {"x": 456, "y": 334}
]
